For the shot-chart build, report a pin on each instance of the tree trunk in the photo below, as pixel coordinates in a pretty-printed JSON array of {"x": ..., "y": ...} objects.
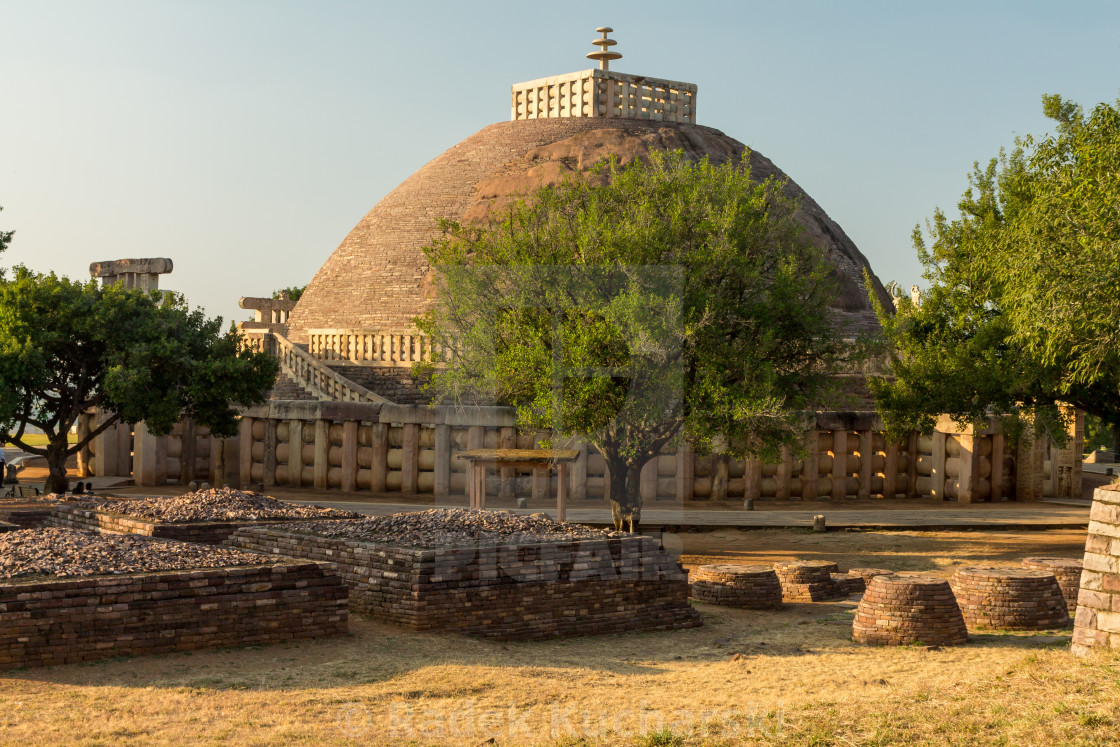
[
  {"x": 625, "y": 495},
  {"x": 1115, "y": 441},
  {"x": 57, "y": 481}
]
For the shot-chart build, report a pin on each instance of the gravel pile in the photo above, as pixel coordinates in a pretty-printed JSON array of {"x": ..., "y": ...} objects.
[
  {"x": 72, "y": 553},
  {"x": 217, "y": 504},
  {"x": 449, "y": 527}
]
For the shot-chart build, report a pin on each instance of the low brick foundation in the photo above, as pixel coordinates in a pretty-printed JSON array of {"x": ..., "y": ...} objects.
[
  {"x": 204, "y": 532},
  {"x": 1009, "y": 599},
  {"x": 808, "y": 581},
  {"x": 848, "y": 583},
  {"x": 1066, "y": 570},
  {"x": 511, "y": 592},
  {"x": 900, "y": 610},
  {"x": 869, "y": 573},
  {"x": 71, "y": 620},
  {"x": 753, "y": 587},
  {"x": 25, "y": 515}
]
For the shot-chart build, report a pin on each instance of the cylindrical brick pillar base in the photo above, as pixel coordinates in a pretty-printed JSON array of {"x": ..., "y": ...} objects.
[
  {"x": 900, "y": 610},
  {"x": 748, "y": 586},
  {"x": 1009, "y": 599},
  {"x": 1066, "y": 570}
]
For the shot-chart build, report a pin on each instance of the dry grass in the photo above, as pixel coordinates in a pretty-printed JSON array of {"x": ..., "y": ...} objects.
[{"x": 797, "y": 678}]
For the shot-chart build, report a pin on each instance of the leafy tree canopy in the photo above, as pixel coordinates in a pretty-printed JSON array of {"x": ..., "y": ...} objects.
[
  {"x": 1023, "y": 309},
  {"x": 67, "y": 346},
  {"x": 293, "y": 293},
  {"x": 636, "y": 306}
]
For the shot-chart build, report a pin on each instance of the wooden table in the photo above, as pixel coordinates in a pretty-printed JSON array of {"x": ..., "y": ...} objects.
[{"x": 479, "y": 459}]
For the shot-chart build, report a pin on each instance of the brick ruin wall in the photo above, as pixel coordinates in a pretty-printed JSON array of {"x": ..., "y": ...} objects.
[
  {"x": 23, "y": 515},
  {"x": 46, "y": 623},
  {"x": 511, "y": 592}
]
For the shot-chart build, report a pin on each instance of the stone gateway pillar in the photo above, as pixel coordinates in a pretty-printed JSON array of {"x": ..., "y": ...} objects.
[{"x": 1097, "y": 622}]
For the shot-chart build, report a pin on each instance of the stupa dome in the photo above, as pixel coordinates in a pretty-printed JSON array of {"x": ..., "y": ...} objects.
[{"x": 378, "y": 278}]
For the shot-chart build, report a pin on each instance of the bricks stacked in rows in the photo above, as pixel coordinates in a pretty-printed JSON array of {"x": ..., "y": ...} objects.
[
  {"x": 898, "y": 610},
  {"x": 1010, "y": 598},
  {"x": 509, "y": 592},
  {"x": 24, "y": 515},
  {"x": 1066, "y": 570},
  {"x": 748, "y": 586},
  {"x": 44, "y": 623},
  {"x": 1097, "y": 622},
  {"x": 808, "y": 580},
  {"x": 869, "y": 573},
  {"x": 848, "y": 583}
]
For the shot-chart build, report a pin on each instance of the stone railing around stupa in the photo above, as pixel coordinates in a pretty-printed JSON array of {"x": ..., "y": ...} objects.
[
  {"x": 604, "y": 93},
  {"x": 366, "y": 347},
  {"x": 361, "y": 445}
]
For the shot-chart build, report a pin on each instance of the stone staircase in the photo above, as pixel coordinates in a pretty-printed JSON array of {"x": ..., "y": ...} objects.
[{"x": 286, "y": 388}]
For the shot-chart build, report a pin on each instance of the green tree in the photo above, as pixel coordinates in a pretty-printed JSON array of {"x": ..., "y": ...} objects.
[
  {"x": 293, "y": 293},
  {"x": 1023, "y": 310},
  {"x": 5, "y": 239},
  {"x": 636, "y": 306},
  {"x": 66, "y": 347}
]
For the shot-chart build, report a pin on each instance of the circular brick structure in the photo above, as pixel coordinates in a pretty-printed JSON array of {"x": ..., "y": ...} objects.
[
  {"x": 898, "y": 610},
  {"x": 805, "y": 571},
  {"x": 808, "y": 581},
  {"x": 869, "y": 573},
  {"x": 1066, "y": 570},
  {"x": 1010, "y": 599},
  {"x": 753, "y": 587}
]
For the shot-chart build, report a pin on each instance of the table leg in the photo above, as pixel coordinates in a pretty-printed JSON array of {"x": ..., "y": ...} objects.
[{"x": 561, "y": 492}]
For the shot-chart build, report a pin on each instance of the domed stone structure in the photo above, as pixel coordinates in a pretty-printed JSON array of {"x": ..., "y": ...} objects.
[{"x": 378, "y": 279}]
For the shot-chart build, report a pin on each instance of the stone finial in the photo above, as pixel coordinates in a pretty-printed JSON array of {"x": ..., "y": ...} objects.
[{"x": 603, "y": 54}]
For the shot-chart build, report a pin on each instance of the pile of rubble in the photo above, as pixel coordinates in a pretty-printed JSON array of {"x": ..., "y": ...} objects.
[
  {"x": 70, "y": 553},
  {"x": 450, "y": 527},
  {"x": 217, "y": 504}
]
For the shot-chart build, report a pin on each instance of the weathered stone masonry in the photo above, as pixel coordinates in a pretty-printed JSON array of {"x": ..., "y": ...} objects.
[{"x": 1097, "y": 622}]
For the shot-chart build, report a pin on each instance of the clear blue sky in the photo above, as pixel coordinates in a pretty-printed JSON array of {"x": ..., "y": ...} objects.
[{"x": 245, "y": 139}]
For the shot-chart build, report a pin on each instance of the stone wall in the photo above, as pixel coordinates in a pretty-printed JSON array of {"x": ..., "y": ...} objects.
[
  {"x": 394, "y": 384},
  {"x": 45, "y": 623},
  {"x": 512, "y": 592},
  {"x": 1097, "y": 622}
]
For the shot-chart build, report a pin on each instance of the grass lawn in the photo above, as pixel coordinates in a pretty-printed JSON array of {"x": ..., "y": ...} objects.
[
  {"x": 788, "y": 677},
  {"x": 40, "y": 439}
]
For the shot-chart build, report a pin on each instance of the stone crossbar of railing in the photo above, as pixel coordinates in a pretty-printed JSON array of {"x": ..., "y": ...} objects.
[{"x": 362, "y": 347}]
